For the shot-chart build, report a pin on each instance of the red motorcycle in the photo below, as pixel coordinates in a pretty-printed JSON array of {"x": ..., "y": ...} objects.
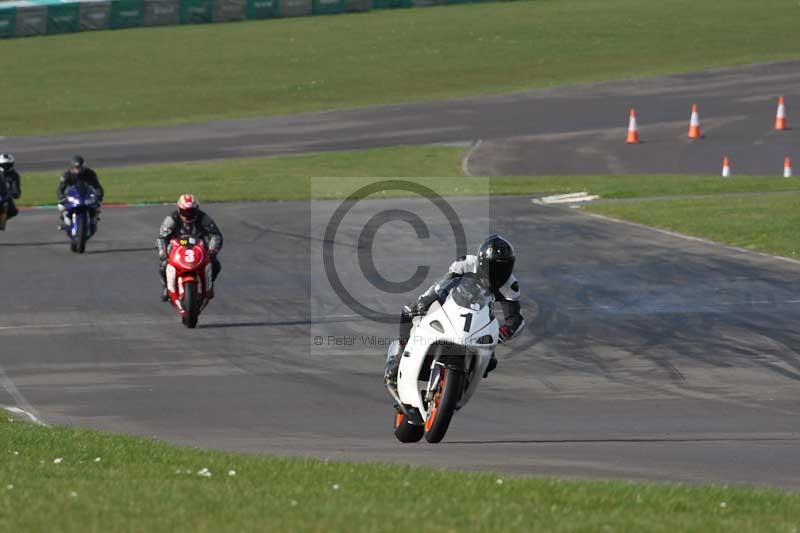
[{"x": 189, "y": 278}]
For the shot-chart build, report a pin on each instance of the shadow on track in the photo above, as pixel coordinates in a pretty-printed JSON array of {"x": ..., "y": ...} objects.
[
  {"x": 268, "y": 323},
  {"x": 32, "y": 244},
  {"x": 122, "y": 250},
  {"x": 656, "y": 440}
]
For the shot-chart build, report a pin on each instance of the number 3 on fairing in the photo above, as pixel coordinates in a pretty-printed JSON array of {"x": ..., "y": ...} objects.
[
  {"x": 189, "y": 255},
  {"x": 467, "y": 321}
]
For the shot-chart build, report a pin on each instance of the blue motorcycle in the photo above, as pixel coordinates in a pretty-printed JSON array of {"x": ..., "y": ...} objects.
[{"x": 80, "y": 215}]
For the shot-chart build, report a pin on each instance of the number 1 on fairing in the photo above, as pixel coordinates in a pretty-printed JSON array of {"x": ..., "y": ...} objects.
[{"x": 467, "y": 321}]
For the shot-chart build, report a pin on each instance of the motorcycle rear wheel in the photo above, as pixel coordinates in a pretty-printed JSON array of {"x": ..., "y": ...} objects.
[
  {"x": 443, "y": 405},
  {"x": 191, "y": 304},
  {"x": 405, "y": 432}
]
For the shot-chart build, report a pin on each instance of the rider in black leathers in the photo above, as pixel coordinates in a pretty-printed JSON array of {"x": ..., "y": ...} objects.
[
  {"x": 189, "y": 220},
  {"x": 78, "y": 171},
  {"x": 494, "y": 265},
  {"x": 12, "y": 182}
]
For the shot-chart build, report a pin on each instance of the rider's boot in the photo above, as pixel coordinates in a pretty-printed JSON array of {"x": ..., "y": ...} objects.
[
  {"x": 491, "y": 366},
  {"x": 392, "y": 363}
]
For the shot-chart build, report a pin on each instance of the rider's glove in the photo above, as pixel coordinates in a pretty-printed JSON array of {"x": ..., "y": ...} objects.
[
  {"x": 416, "y": 309},
  {"x": 505, "y": 333}
]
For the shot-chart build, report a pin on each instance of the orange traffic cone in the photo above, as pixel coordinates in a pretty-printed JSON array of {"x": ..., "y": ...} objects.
[
  {"x": 633, "y": 129},
  {"x": 694, "y": 124},
  {"x": 787, "y": 168},
  {"x": 780, "y": 116},
  {"x": 726, "y": 167}
]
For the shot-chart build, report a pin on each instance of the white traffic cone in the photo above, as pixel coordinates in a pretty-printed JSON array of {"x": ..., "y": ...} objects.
[{"x": 726, "y": 167}]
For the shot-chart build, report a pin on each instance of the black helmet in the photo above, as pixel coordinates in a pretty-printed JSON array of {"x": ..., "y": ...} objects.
[
  {"x": 6, "y": 162},
  {"x": 77, "y": 161},
  {"x": 495, "y": 261}
]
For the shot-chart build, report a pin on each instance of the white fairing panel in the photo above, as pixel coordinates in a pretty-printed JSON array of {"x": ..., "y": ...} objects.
[{"x": 460, "y": 328}]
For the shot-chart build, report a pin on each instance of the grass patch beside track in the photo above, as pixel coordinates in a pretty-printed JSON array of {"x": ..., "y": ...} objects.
[
  {"x": 114, "y": 79},
  {"x": 151, "y": 486},
  {"x": 767, "y": 223},
  {"x": 272, "y": 178},
  {"x": 287, "y": 178}
]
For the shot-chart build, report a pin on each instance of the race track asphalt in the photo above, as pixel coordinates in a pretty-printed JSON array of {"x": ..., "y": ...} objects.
[
  {"x": 563, "y": 130},
  {"x": 647, "y": 356}
]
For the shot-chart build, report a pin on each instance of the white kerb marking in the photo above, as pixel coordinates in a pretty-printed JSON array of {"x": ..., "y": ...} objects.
[{"x": 32, "y": 417}]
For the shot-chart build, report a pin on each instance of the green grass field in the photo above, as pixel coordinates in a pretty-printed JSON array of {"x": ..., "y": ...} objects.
[
  {"x": 61, "y": 479},
  {"x": 767, "y": 223},
  {"x": 113, "y": 79}
]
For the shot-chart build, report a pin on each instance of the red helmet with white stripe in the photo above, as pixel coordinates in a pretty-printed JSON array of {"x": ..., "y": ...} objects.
[{"x": 188, "y": 207}]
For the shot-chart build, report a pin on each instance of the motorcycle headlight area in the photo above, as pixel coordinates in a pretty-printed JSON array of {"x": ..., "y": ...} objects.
[{"x": 74, "y": 199}]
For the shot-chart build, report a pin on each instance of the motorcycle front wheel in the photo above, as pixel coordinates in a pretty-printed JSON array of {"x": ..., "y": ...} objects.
[
  {"x": 443, "y": 405},
  {"x": 405, "y": 432},
  {"x": 80, "y": 234},
  {"x": 191, "y": 304}
]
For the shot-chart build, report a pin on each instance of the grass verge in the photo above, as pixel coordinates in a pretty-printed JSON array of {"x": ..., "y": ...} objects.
[
  {"x": 201, "y": 72},
  {"x": 64, "y": 479},
  {"x": 287, "y": 178},
  {"x": 765, "y": 223}
]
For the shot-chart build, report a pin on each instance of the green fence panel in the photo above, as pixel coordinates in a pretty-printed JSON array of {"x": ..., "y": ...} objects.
[
  {"x": 31, "y": 20},
  {"x": 197, "y": 11},
  {"x": 127, "y": 14},
  {"x": 95, "y": 15},
  {"x": 295, "y": 8},
  {"x": 162, "y": 12},
  {"x": 228, "y": 10},
  {"x": 358, "y": 5},
  {"x": 426, "y": 3},
  {"x": 63, "y": 18},
  {"x": 328, "y": 7},
  {"x": 8, "y": 22},
  {"x": 263, "y": 9},
  {"x": 384, "y": 4}
]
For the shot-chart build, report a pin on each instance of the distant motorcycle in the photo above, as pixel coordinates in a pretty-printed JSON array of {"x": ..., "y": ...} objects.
[
  {"x": 447, "y": 354},
  {"x": 189, "y": 277},
  {"x": 81, "y": 207}
]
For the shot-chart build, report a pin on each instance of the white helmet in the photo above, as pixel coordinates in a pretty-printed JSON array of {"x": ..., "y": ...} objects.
[{"x": 6, "y": 162}]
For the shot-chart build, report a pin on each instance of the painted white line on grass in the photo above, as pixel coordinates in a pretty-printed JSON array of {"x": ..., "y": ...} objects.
[
  {"x": 465, "y": 162},
  {"x": 32, "y": 417},
  {"x": 695, "y": 239},
  {"x": 19, "y": 399},
  {"x": 569, "y": 198}
]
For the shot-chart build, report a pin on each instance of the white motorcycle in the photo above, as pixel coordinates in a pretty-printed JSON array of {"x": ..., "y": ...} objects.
[{"x": 446, "y": 356}]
